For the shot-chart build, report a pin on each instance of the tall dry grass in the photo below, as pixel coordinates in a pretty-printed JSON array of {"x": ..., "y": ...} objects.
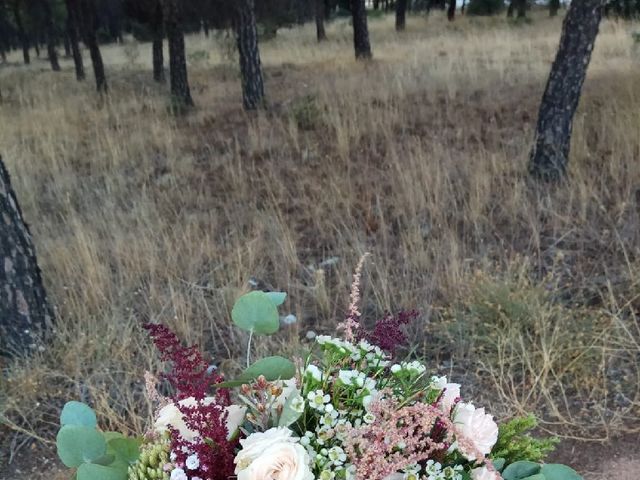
[{"x": 418, "y": 157}]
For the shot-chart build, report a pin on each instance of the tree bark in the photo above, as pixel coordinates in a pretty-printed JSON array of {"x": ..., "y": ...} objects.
[
  {"x": 511, "y": 8},
  {"x": 401, "y": 15},
  {"x": 67, "y": 45},
  {"x": 72, "y": 31},
  {"x": 554, "y": 6},
  {"x": 250, "y": 65},
  {"x": 158, "y": 36},
  {"x": 550, "y": 153},
  {"x": 89, "y": 27},
  {"x": 360, "y": 30},
  {"x": 51, "y": 35},
  {"x": 522, "y": 8},
  {"x": 24, "y": 38},
  {"x": 451, "y": 11},
  {"x": 180, "y": 92},
  {"x": 25, "y": 314},
  {"x": 320, "y": 32}
]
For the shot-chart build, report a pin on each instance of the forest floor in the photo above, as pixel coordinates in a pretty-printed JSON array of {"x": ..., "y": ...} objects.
[{"x": 530, "y": 295}]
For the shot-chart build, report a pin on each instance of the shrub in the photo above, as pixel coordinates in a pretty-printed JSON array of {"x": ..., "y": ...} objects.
[{"x": 485, "y": 7}]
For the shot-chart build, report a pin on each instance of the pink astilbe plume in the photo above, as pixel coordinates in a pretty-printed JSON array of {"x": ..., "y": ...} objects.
[
  {"x": 351, "y": 323},
  {"x": 421, "y": 428}
]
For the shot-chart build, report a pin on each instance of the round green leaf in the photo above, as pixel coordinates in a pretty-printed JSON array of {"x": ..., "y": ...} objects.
[
  {"x": 277, "y": 298},
  {"x": 78, "y": 413},
  {"x": 554, "y": 471},
  {"x": 78, "y": 444},
  {"x": 537, "y": 476},
  {"x": 520, "y": 470},
  {"x": 91, "y": 471},
  {"x": 126, "y": 450},
  {"x": 273, "y": 368},
  {"x": 256, "y": 311},
  {"x": 498, "y": 463}
]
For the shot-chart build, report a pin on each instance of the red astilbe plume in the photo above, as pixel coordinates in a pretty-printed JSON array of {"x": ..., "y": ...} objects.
[
  {"x": 388, "y": 332},
  {"x": 202, "y": 414},
  {"x": 189, "y": 375}
]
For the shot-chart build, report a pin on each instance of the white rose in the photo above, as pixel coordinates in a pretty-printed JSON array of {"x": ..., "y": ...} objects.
[
  {"x": 449, "y": 396},
  {"x": 477, "y": 427},
  {"x": 170, "y": 415},
  {"x": 483, "y": 473},
  {"x": 272, "y": 455}
]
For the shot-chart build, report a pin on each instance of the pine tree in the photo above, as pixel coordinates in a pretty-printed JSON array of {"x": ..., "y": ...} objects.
[
  {"x": 25, "y": 313},
  {"x": 73, "y": 34},
  {"x": 180, "y": 91},
  {"x": 89, "y": 26},
  {"x": 401, "y": 15},
  {"x": 319, "y": 13},
  {"x": 250, "y": 65},
  {"x": 550, "y": 153},
  {"x": 360, "y": 30}
]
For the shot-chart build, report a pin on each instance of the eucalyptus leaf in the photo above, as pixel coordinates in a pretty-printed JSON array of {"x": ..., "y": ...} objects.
[
  {"x": 537, "y": 476},
  {"x": 277, "y": 298},
  {"x": 92, "y": 471},
  {"x": 520, "y": 470},
  {"x": 255, "y": 311},
  {"x": 78, "y": 444},
  {"x": 78, "y": 413},
  {"x": 126, "y": 450},
  {"x": 272, "y": 368},
  {"x": 289, "y": 415},
  {"x": 498, "y": 463},
  {"x": 554, "y": 471}
]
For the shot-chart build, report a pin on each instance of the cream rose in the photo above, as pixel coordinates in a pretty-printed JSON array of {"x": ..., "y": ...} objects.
[
  {"x": 476, "y": 427},
  {"x": 483, "y": 473},
  {"x": 170, "y": 415},
  {"x": 272, "y": 455},
  {"x": 449, "y": 396}
]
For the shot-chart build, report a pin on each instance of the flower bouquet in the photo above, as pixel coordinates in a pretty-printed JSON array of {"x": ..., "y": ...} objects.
[{"x": 347, "y": 410}]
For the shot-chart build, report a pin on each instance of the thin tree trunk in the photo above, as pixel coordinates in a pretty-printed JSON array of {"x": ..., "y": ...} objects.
[
  {"x": 25, "y": 314},
  {"x": 522, "y": 8},
  {"x": 51, "y": 35},
  {"x": 67, "y": 45},
  {"x": 157, "y": 50},
  {"x": 320, "y": 32},
  {"x": 72, "y": 31},
  {"x": 24, "y": 38},
  {"x": 554, "y": 6},
  {"x": 360, "y": 30},
  {"x": 511, "y": 8},
  {"x": 464, "y": 7},
  {"x": 250, "y": 65},
  {"x": 550, "y": 153},
  {"x": 180, "y": 92},
  {"x": 401, "y": 15},
  {"x": 89, "y": 27},
  {"x": 451, "y": 11}
]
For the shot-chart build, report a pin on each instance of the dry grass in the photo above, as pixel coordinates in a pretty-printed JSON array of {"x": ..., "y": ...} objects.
[{"x": 418, "y": 157}]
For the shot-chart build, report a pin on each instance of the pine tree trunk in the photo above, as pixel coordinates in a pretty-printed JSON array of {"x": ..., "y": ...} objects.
[
  {"x": 180, "y": 92},
  {"x": 158, "y": 36},
  {"x": 25, "y": 314},
  {"x": 511, "y": 8},
  {"x": 522, "y": 8},
  {"x": 72, "y": 31},
  {"x": 464, "y": 7},
  {"x": 67, "y": 45},
  {"x": 250, "y": 66},
  {"x": 24, "y": 38},
  {"x": 51, "y": 35},
  {"x": 401, "y": 15},
  {"x": 89, "y": 27},
  {"x": 320, "y": 32},
  {"x": 562, "y": 94},
  {"x": 554, "y": 6},
  {"x": 360, "y": 30},
  {"x": 451, "y": 11}
]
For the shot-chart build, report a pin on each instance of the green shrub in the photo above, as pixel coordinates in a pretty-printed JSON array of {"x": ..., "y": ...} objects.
[{"x": 485, "y": 7}]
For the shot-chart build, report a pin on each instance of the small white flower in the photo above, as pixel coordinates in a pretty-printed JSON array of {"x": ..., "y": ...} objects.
[
  {"x": 297, "y": 404},
  {"x": 369, "y": 417},
  {"x": 178, "y": 474},
  {"x": 318, "y": 399},
  {"x": 314, "y": 371},
  {"x": 439, "y": 382},
  {"x": 396, "y": 368},
  {"x": 192, "y": 462}
]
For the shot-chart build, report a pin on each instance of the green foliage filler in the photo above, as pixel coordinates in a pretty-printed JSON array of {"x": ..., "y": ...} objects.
[
  {"x": 516, "y": 444},
  {"x": 272, "y": 368},
  {"x": 153, "y": 457}
]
